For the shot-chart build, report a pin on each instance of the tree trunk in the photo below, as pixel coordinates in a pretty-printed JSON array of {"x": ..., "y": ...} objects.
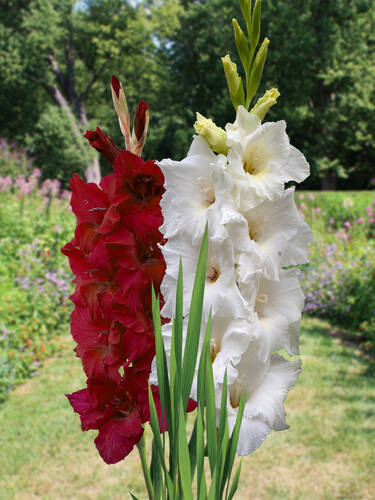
[
  {"x": 92, "y": 171},
  {"x": 328, "y": 181}
]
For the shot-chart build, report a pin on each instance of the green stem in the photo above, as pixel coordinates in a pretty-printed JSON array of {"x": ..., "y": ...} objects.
[{"x": 141, "y": 445}]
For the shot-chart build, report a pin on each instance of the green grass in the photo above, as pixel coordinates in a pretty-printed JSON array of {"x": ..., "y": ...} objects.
[{"x": 328, "y": 452}]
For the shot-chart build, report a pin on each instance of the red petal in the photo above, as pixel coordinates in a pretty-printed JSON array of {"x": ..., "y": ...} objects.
[
  {"x": 110, "y": 219},
  {"x": 88, "y": 202},
  {"x": 111, "y": 446},
  {"x": 129, "y": 426}
]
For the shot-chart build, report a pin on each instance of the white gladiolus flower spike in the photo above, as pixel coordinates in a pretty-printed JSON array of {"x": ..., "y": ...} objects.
[{"x": 262, "y": 159}]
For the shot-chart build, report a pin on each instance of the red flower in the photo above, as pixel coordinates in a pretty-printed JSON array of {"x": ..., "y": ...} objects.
[
  {"x": 116, "y": 410},
  {"x": 137, "y": 182},
  {"x": 106, "y": 345}
]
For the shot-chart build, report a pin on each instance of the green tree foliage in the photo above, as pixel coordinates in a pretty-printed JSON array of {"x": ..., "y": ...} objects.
[
  {"x": 321, "y": 57},
  {"x": 53, "y": 129},
  {"x": 168, "y": 52},
  {"x": 61, "y": 52}
]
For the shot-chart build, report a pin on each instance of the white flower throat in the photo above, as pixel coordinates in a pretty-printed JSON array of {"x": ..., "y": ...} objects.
[
  {"x": 256, "y": 228},
  {"x": 213, "y": 270},
  {"x": 253, "y": 162},
  {"x": 207, "y": 191},
  {"x": 260, "y": 301},
  {"x": 214, "y": 349},
  {"x": 236, "y": 391}
]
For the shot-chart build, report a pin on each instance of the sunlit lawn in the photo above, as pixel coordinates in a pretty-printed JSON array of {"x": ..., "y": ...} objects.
[{"x": 328, "y": 452}]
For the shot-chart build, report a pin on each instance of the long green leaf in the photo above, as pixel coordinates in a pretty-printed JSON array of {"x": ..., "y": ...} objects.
[
  {"x": 179, "y": 318},
  {"x": 234, "y": 438},
  {"x": 194, "y": 324},
  {"x": 183, "y": 457},
  {"x": 213, "y": 487},
  {"x": 210, "y": 410},
  {"x": 193, "y": 449},
  {"x": 201, "y": 480},
  {"x": 133, "y": 496},
  {"x": 176, "y": 368},
  {"x": 161, "y": 365},
  {"x": 158, "y": 443},
  {"x": 223, "y": 436},
  {"x": 223, "y": 408},
  {"x": 155, "y": 472},
  {"x": 174, "y": 394},
  {"x": 201, "y": 386},
  {"x": 222, "y": 473},
  {"x": 235, "y": 481}
]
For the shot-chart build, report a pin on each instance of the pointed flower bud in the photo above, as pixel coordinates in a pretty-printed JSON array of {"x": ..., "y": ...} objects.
[
  {"x": 121, "y": 107},
  {"x": 246, "y": 11},
  {"x": 215, "y": 136},
  {"x": 234, "y": 82},
  {"x": 140, "y": 128},
  {"x": 103, "y": 143},
  {"x": 265, "y": 103},
  {"x": 255, "y": 25},
  {"x": 241, "y": 42},
  {"x": 257, "y": 69}
]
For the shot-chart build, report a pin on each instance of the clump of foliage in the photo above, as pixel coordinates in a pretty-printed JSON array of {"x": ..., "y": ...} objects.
[
  {"x": 13, "y": 160},
  {"x": 35, "y": 281},
  {"x": 58, "y": 151},
  {"x": 339, "y": 282}
]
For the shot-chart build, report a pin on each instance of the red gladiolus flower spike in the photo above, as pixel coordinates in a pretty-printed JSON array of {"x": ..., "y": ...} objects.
[{"x": 115, "y": 258}]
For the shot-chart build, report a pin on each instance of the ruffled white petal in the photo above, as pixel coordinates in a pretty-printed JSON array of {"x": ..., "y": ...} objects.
[
  {"x": 261, "y": 159},
  {"x": 264, "y": 410},
  {"x": 278, "y": 237},
  {"x": 245, "y": 124}
]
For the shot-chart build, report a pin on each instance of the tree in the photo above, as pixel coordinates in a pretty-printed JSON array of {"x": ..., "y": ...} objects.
[
  {"x": 67, "y": 53},
  {"x": 321, "y": 57}
]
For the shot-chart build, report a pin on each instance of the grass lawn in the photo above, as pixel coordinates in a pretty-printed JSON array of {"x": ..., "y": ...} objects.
[{"x": 328, "y": 452}]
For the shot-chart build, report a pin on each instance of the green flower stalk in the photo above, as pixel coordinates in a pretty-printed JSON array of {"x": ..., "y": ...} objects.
[{"x": 252, "y": 60}]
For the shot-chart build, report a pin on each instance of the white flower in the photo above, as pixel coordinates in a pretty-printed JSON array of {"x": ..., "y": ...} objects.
[
  {"x": 197, "y": 189},
  {"x": 261, "y": 159},
  {"x": 278, "y": 236},
  {"x": 221, "y": 290},
  {"x": 230, "y": 338},
  {"x": 266, "y": 385},
  {"x": 278, "y": 306}
]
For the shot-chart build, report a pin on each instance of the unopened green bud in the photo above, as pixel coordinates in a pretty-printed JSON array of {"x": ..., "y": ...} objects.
[
  {"x": 255, "y": 25},
  {"x": 246, "y": 11},
  {"x": 241, "y": 42},
  {"x": 257, "y": 69},
  {"x": 215, "y": 136},
  {"x": 265, "y": 103},
  {"x": 234, "y": 82}
]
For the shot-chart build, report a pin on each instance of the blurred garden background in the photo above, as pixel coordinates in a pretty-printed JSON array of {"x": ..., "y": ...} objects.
[{"x": 56, "y": 62}]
